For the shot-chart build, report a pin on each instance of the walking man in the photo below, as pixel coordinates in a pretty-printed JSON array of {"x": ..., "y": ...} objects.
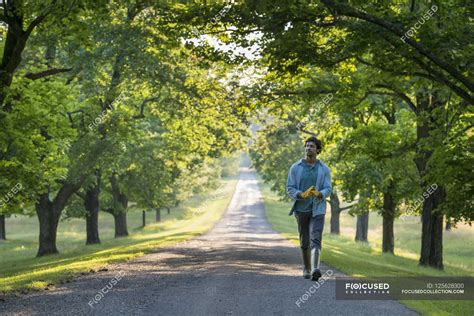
[{"x": 309, "y": 183}]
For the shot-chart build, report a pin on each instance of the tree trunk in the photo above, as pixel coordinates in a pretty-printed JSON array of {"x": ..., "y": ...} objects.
[
  {"x": 432, "y": 223},
  {"x": 389, "y": 204},
  {"x": 436, "y": 252},
  {"x": 143, "y": 218},
  {"x": 158, "y": 215},
  {"x": 432, "y": 231},
  {"x": 168, "y": 209},
  {"x": 15, "y": 43},
  {"x": 49, "y": 213},
  {"x": 362, "y": 227},
  {"x": 3, "y": 234},
  {"x": 48, "y": 220},
  {"x": 120, "y": 220},
  {"x": 388, "y": 215},
  {"x": 448, "y": 224},
  {"x": 91, "y": 204},
  {"x": 119, "y": 212},
  {"x": 335, "y": 212}
]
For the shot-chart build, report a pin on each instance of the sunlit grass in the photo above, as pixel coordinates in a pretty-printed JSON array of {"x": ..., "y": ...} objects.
[
  {"x": 20, "y": 269},
  {"x": 367, "y": 259}
]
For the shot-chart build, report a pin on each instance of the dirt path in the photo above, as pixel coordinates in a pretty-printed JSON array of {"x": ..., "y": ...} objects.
[{"x": 240, "y": 267}]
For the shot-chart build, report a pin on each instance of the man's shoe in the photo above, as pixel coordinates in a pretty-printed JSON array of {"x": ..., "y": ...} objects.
[
  {"x": 315, "y": 275},
  {"x": 306, "y": 253},
  {"x": 315, "y": 258}
]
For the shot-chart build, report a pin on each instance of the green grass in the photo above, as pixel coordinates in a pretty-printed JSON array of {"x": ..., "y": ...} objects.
[
  {"x": 21, "y": 270},
  {"x": 359, "y": 259}
]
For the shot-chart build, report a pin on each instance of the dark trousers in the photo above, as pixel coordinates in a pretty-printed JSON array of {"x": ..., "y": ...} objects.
[{"x": 310, "y": 227}]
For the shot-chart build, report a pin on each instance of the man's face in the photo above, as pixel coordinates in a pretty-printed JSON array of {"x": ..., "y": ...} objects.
[{"x": 310, "y": 149}]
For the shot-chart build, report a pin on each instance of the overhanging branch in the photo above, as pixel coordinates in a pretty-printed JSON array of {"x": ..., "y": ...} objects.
[{"x": 46, "y": 73}]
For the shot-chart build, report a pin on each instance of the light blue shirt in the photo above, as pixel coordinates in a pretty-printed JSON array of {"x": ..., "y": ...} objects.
[
  {"x": 309, "y": 177},
  {"x": 294, "y": 186}
]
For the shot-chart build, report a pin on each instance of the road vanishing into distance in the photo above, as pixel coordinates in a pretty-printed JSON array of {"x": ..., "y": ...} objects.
[{"x": 240, "y": 267}]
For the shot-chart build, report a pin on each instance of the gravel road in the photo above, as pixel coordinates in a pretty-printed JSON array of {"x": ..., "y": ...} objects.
[{"x": 240, "y": 267}]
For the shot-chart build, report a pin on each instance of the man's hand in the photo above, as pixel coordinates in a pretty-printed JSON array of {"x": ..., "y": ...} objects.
[
  {"x": 311, "y": 192},
  {"x": 307, "y": 194},
  {"x": 316, "y": 193}
]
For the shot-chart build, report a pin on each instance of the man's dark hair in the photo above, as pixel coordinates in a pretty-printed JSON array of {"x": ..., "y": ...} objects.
[{"x": 316, "y": 141}]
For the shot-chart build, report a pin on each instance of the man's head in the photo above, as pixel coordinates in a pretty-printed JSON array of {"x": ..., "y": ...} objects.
[{"x": 312, "y": 146}]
